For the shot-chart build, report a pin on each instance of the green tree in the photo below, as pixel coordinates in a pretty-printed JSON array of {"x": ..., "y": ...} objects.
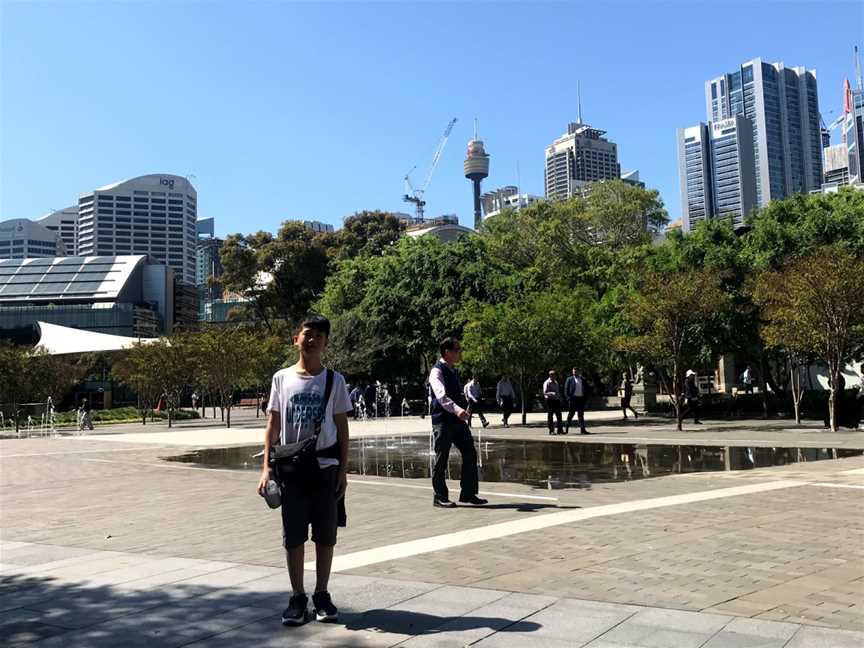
[
  {"x": 801, "y": 224},
  {"x": 412, "y": 297},
  {"x": 528, "y": 335},
  {"x": 281, "y": 276},
  {"x": 624, "y": 214},
  {"x": 816, "y": 305},
  {"x": 132, "y": 368},
  {"x": 267, "y": 355},
  {"x": 172, "y": 365},
  {"x": 366, "y": 233},
  {"x": 223, "y": 360},
  {"x": 672, "y": 315}
]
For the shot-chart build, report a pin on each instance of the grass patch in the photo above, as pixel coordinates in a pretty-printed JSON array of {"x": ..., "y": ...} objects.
[{"x": 122, "y": 415}]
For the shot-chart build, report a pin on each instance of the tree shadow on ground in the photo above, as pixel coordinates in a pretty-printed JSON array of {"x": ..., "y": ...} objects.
[
  {"x": 414, "y": 623},
  {"x": 162, "y": 609}
]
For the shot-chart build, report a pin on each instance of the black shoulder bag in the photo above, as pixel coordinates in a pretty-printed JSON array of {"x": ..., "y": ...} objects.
[{"x": 299, "y": 460}]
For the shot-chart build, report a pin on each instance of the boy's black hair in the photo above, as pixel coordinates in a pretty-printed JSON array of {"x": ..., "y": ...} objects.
[
  {"x": 316, "y": 323},
  {"x": 447, "y": 344}
]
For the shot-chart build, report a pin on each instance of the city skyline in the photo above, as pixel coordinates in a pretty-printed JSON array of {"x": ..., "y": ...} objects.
[{"x": 265, "y": 157}]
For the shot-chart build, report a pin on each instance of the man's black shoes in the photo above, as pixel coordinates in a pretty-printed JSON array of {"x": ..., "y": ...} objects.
[
  {"x": 296, "y": 614},
  {"x": 441, "y": 502},
  {"x": 473, "y": 499},
  {"x": 324, "y": 609}
]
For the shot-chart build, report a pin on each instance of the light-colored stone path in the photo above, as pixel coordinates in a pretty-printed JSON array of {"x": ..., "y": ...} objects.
[
  {"x": 61, "y": 596},
  {"x": 783, "y": 547}
]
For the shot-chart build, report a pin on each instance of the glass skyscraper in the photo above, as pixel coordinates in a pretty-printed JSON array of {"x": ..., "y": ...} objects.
[
  {"x": 783, "y": 106},
  {"x": 717, "y": 171}
]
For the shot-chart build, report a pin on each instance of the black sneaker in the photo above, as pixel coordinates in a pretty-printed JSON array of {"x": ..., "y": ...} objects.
[
  {"x": 473, "y": 499},
  {"x": 442, "y": 503},
  {"x": 324, "y": 609},
  {"x": 295, "y": 613}
]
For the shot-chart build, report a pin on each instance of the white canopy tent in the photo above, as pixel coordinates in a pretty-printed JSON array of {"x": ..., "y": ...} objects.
[{"x": 62, "y": 340}]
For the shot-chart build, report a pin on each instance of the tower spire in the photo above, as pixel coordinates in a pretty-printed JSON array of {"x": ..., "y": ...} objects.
[{"x": 579, "y": 95}]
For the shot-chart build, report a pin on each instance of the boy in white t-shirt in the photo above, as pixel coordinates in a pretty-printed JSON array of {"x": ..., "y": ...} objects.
[{"x": 295, "y": 409}]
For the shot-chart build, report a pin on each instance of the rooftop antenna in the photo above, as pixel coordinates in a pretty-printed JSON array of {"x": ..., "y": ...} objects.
[
  {"x": 858, "y": 79},
  {"x": 579, "y": 95},
  {"x": 518, "y": 179},
  {"x": 475, "y": 128}
]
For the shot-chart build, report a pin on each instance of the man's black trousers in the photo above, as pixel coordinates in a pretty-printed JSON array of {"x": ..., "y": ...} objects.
[
  {"x": 577, "y": 406},
  {"x": 507, "y": 407},
  {"x": 444, "y": 436},
  {"x": 553, "y": 407}
]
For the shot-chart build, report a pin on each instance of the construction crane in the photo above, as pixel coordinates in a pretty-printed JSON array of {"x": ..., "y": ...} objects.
[{"x": 415, "y": 196}]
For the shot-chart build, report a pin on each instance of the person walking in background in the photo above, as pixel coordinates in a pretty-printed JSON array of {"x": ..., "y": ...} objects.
[
  {"x": 747, "y": 380},
  {"x": 450, "y": 417},
  {"x": 370, "y": 401},
  {"x": 574, "y": 390},
  {"x": 473, "y": 395},
  {"x": 626, "y": 394},
  {"x": 505, "y": 396},
  {"x": 691, "y": 393},
  {"x": 85, "y": 422},
  {"x": 552, "y": 398},
  {"x": 355, "y": 396}
]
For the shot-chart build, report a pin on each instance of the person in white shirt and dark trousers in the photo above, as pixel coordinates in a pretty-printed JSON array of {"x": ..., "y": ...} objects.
[
  {"x": 474, "y": 397},
  {"x": 504, "y": 396},
  {"x": 552, "y": 397},
  {"x": 574, "y": 390}
]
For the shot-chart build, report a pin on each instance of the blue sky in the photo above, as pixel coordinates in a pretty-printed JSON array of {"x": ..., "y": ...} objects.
[{"x": 317, "y": 110}]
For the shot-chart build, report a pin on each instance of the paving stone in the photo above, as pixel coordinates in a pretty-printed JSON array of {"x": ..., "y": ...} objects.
[{"x": 809, "y": 637}]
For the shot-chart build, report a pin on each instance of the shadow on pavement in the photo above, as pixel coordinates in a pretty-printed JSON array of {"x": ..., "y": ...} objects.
[
  {"x": 413, "y": 623},
  {"x": 522, "y": 507}
]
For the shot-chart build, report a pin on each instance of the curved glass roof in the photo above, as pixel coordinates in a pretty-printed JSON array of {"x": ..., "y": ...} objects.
[{"x": 65, "y": 278}]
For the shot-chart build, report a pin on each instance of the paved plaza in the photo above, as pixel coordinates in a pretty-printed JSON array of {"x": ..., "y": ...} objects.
[{"x": 104, "y": 543}]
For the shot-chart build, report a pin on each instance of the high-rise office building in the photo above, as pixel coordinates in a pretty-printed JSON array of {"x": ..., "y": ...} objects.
[
  {"x": 64, "y": 222},
  {"x": 497, "y": 200},
  {"x": 153, "y": 214},
  {"x": 208, "y": 264},
  {"x": 853, "y": 133},
  {"x": 717, "y": 171},
  {"x": 783, "y": 106},
  {"x": 23, "y": 239},
  {"x": 836, "y": 164},
  {"x": 580, "y": 156}
]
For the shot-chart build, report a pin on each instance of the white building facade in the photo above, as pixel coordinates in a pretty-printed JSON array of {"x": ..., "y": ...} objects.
[
  {"x": 152, "y": 214},
  {"x": 21, "y": 238},
  {"x": 65, "y": 223}
]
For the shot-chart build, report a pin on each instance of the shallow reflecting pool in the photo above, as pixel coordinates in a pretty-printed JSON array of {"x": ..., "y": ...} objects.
[{"x": 544, "y": 464}]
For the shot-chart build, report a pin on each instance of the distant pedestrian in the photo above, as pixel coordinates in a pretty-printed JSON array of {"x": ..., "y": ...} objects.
[
  {"x": 355, "y": 396},
  {"x": 747, "y": 380},
  {"x": 576, "y": 393},
  {"x": 85, "y": 421},
  {"x": 194, "y": 400},
  {"x": 369, "y": 400},
  {"x": 552, "y": 398},
  {"x": 692, "y": 395},
  {"x": 474, "y": 397},
  {"x": 450, "y": 418},
  {"x": 505, "y": 396},
  {"x": 626, "y": 394}
]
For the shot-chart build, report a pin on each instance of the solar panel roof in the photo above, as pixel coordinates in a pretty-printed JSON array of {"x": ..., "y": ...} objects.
[{"x": 23, "y": 280}]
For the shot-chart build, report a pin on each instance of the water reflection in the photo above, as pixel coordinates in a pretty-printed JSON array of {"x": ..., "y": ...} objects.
[{"x": 542, "y": 464}]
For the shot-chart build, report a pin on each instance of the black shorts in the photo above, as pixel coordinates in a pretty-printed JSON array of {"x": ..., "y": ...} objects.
[{"x": 317, "y": 506}]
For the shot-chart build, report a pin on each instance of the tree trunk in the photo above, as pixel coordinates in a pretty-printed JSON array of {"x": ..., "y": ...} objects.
[
  {"x": 834, "y": 395},
  {"x": 143, "y": 417},
  {"x": 763, "y": 392},
  {"x": 169, "y": 417},
  {"x": 257, "y": 404},
  {"x": 229, "y": 417},
  {"x": 522, "y": 397}
]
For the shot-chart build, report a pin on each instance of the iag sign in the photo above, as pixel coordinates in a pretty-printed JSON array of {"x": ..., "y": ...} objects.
[{"x": 167, "y": 182}]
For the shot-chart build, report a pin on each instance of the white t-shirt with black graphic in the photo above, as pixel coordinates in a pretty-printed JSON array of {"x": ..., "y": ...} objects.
[{"x": 298, "y": 400}]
